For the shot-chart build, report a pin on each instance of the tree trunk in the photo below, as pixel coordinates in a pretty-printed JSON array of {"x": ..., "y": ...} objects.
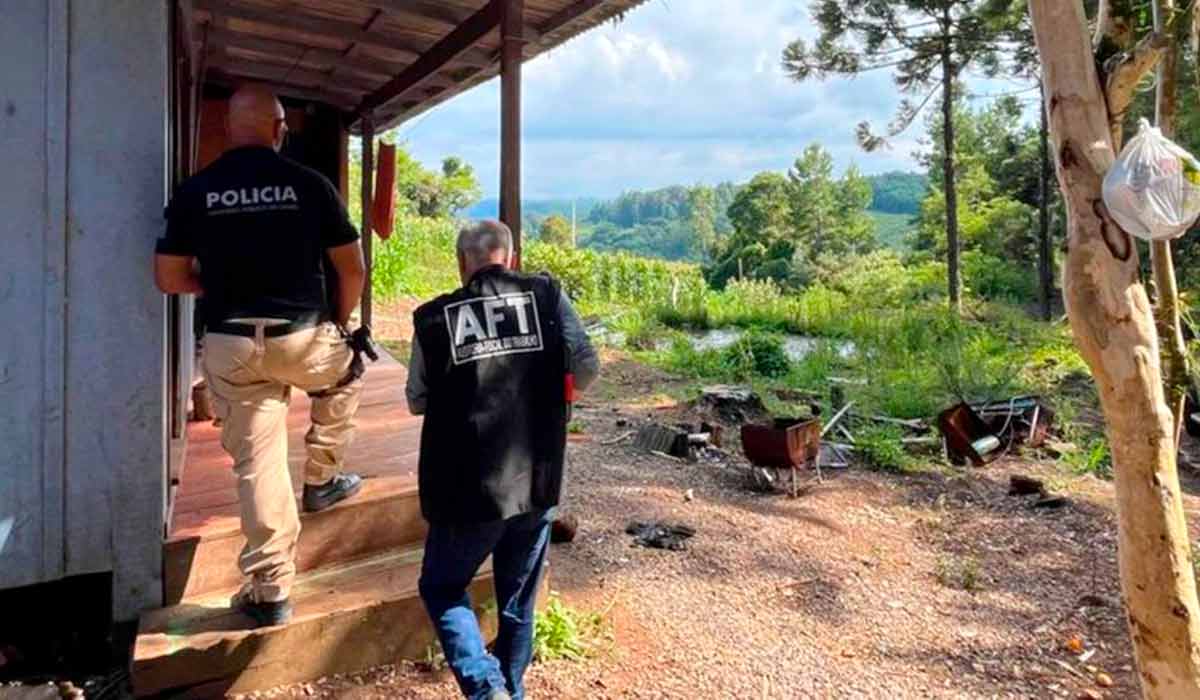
[
  {"x": 1045, "y": 249},
  {"x": 1114, "y": 329},
  {"x": 953, "y": 272},
  {"x": 1166, "y": 312}
]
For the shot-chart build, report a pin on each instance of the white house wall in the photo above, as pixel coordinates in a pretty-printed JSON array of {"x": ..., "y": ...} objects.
[{"x": 83, "y": 132}]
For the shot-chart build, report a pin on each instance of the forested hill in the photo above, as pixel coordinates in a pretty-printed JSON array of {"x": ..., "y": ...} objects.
[
  {"x": 898, "y": 193},
  {"x": 675, "y": 222}
]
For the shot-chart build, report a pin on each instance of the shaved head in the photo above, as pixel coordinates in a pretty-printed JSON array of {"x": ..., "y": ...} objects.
[{"x": 256, "y": 118}]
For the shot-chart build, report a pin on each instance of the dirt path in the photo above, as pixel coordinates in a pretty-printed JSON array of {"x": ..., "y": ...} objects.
[{"x": 935, "y": 585}]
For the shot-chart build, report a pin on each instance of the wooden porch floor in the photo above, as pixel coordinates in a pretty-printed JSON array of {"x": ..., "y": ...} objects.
[{"x": 384, "y": 451}]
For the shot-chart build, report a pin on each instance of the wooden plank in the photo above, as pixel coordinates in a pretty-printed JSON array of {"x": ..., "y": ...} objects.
[
  {"x": 579, "y": 10},
  {"x": 219, "y": 77},
  {"x": 386, "y": 515},
  {"x": 285, "y": 71},
  {"x": 450, "y": 49},
  {"x": 347, "y": 619},
  {"x": 334, "y": 29},
  {"x": 510, "y": 120}
]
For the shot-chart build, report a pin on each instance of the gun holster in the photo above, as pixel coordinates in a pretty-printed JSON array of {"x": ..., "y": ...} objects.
[{"x": 360, "y": 343}]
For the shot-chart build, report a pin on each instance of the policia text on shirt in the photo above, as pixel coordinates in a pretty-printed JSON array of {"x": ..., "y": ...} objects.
[{"x": 280, "y": 272}]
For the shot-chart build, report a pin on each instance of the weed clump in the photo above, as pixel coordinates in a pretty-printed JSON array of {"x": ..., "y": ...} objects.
[
  {"x": 882, "y": 448},
  {"x": 561, "y": 632}
]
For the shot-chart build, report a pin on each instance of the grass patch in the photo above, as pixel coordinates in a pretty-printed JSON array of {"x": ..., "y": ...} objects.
[{"x": 561, "y": 632}]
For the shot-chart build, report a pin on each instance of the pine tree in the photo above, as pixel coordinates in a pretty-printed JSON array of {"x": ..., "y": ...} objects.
[{"x": 928, "y": 44}]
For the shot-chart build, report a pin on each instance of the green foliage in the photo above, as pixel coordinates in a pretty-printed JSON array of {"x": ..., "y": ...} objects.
[
  {"x": 783, "y": 225},
  {"x": 422, "y": 192},
  {"x": 998, "y": 159},
  {"x": 418, "y": 260},
  {"x": 990, "y": 277},
  {"x": 898, "y": 193},
  {"x": 894, "y": 231},
  {"x": 559, "y": 632},
  {"x": 556, "y": 230},
  {"x": 881, "y": 449},
  {"x": 756, "y": 353},
  {"x": 595, "y": 280},
  {"x": 1094, "y": 457},
  {"x": 675, "y": 223}
]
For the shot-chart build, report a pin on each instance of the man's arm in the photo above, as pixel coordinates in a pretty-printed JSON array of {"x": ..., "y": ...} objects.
[
  {"x": 585, "y": 363},
  {"x": 416, "y": 390},
  {"x": 176, "y": 274},
  {"x": 351, "y": 274}
]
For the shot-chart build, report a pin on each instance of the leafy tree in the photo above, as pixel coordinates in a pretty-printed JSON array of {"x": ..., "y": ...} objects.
[
  {"x": 1091, "y": 83},
  {"x": 927, "y": 44},
  {"x": 828, "y": 216},
  {"x": 556, "y": 230},
  {"x": 459, "y": 185},
  {"x": 782, "y": 225},
  {"x": 998, "y": 187},
  {"x": 427, "y": 193},
  {"x": 761, "y": 209}
]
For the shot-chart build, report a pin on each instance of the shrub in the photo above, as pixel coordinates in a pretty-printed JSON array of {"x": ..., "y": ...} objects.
[
  {"x": 882, "y": 448},
  {"x": 993, "y": 278},
  {"x": 757, "y": 354}
]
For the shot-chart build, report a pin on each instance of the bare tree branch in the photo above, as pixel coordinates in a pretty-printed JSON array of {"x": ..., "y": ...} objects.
[{"x": 1125, "y": 71}]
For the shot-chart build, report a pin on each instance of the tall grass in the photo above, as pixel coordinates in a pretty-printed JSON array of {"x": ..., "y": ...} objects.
[
  {"x": 910, "y": 356},
  {"x": 419, "y": 260}
]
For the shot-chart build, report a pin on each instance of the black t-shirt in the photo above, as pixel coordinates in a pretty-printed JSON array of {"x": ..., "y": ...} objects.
[{"x": 260, "y": 225}]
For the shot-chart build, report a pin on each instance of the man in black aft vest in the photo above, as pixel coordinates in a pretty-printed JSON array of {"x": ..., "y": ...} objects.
[{"x": 492, "y": 369}]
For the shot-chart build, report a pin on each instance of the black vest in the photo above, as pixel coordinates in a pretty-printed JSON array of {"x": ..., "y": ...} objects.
[{"x": 496, "y": 416}]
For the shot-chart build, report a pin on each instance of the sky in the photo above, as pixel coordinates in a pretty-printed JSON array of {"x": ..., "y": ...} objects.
[{"x": 680, "y": 92}]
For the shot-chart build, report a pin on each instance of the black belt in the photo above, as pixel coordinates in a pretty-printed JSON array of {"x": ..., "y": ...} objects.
[{"x": 247, "y": 330}]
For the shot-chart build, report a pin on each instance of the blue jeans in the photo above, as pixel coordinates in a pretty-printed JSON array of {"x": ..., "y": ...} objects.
[{"x": 453, "y": 555}]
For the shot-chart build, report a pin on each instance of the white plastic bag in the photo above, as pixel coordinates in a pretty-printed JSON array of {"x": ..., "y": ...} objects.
[{"x": 1153, "y": 190}]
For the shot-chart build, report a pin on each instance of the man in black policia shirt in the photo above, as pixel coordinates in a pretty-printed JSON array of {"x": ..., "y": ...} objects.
[
  {"x": 490, "y": 370},
  {"x": 265, "y": 231}
]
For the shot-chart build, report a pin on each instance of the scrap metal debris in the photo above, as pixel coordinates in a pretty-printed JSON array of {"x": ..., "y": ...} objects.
[
  {"x": 659, "y": 535},
  {"x": 784, "y": 444},
  {"x": 981, "y": 432}
]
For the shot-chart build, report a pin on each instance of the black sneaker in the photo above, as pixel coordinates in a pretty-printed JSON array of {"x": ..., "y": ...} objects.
[
  {"x": 339, "y": 488},
  {"x": 263, "y": 614}
]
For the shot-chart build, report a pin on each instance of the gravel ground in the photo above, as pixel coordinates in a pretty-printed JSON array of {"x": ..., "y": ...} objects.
[{"x": 931, "y": 585}]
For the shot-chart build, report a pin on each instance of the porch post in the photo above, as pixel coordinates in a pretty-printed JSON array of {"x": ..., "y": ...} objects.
[
  {"x": 512, "y": 47},
  {"x": 368, "y": 188}
]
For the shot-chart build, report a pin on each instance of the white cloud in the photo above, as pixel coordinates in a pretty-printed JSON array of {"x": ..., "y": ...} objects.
[{"x": 683, "y": 91}]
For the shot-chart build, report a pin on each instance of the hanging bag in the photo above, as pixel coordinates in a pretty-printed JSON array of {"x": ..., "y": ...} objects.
[{"x": 1153, "y": 190}]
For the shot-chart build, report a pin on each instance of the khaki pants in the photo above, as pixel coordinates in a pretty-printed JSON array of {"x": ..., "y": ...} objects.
[{"x": 250, "y": 380}]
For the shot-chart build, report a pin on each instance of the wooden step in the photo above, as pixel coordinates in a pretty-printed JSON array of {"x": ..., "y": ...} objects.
[
  {"x": 347, "y": 618},
  {"x": 384, "y": 516}
]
